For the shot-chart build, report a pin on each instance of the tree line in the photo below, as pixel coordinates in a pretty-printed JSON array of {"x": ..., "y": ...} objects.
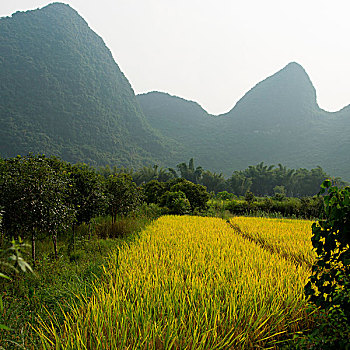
[
  {"x": 42, "y": 197},
  {"x": 46, "y": 197},
  {"x": 261, "y": 180}
]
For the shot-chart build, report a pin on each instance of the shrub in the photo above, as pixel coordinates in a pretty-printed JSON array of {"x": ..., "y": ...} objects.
[
  {"x": 329, "y": 285},
  {"x": 153, "y": 191},
  {"x": 249, "y": 197},
  {"x": 197, "y": 195},
  {"x": 176, "y": 202},
  {"x": 238, "y": 207},
  {"x": 224, "y": 195}
]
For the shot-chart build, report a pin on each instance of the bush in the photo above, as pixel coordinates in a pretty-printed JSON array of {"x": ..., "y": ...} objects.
[
  {"x": 308, "y": 208},
  {"x": 290, "y": 207},
  {"x": 311, "y": 207},
  {"x": 329, "y": 285},
  {"x": 176, "y": 202},
  {"x": 238, "y": 207},
  {"x": 197, "y": 195},
  {"x": 224, "y": 195},
  {"x": 152, "y": 211},
  {"x": 249, "y": 197},
  {"x": 153, "y": 191}
]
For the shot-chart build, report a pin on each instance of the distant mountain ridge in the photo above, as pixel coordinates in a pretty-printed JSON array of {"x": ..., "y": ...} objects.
[
  {"x": 62, "y": 93},
  {"x": 277, "y": 121}
]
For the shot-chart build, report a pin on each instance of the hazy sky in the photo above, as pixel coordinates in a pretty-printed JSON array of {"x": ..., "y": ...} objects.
[{"x": 214, "y": 51}]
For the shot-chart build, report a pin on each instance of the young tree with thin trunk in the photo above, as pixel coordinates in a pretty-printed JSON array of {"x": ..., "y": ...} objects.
[{"x": 34, "y": 199}]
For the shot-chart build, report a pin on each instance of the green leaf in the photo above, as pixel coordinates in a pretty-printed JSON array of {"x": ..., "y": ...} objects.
[
  {"x": 326, "y": 184},
  {"x": 4, "y": 276},
  {"x": 2, "y": 326}
]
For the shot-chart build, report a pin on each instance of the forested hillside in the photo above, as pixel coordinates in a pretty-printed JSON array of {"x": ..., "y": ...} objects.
[
  {"x": 278, "y": 121},
  {"x": 61, "y": 93}
]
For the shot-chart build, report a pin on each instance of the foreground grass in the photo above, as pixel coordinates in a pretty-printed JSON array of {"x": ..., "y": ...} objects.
[{"x": 187, "y": 283}]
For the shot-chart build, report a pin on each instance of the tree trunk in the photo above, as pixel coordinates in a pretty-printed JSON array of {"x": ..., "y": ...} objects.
[
  {"x": 54, "y": 240},
  {"x": 33, "y": 247},
  {"x": 73, "y": 237}
]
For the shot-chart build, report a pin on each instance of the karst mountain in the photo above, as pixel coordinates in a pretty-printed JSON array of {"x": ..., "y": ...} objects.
[{"x": 63, "y": 94}]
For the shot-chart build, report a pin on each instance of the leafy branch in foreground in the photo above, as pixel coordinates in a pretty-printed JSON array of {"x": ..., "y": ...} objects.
[
  {"x": 329, "y": 285},
  {"x": 11, "y": 260}
]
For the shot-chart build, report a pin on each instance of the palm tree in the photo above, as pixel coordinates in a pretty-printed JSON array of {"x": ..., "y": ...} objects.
[
  {"x": 149, "y": 173},
  {"x": 189, "y": 172}
]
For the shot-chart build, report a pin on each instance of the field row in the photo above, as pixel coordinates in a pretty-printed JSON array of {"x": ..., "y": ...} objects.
[{"x": 289, "y": 238}]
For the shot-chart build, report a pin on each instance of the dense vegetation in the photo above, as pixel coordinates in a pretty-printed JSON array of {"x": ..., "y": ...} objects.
[
  {"x": 329, "y": 285},
  {"x": 261, "y": 179},
  {"x": 56, "y": 196}
]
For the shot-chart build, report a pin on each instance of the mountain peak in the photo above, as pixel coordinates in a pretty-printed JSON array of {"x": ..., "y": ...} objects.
[
  {"x": 51, "y": 6},
  {"x": 62, "y": 90},
  {"x": 294, "y": 65},
  {"x": 291, "y": 83},
  {"x": 57, "y": 12},
  {"x": 294, "y": 68},
  {"x": 57, "y": 5}
]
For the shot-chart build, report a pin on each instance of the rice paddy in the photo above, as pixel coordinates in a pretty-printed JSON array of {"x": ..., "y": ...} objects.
[
  {"x": 289, "y": 238},
  {"x": 195, "y": 283}
]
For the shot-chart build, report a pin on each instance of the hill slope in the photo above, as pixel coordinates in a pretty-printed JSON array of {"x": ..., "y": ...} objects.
[
  {"x": 277, "y": 121},
  {"x": 62, "y": 93}
]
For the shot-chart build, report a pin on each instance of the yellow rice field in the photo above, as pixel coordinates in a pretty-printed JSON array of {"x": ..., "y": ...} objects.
[
  {"x": 288, "y": 237},
  {"x": 189, "y": 283}
]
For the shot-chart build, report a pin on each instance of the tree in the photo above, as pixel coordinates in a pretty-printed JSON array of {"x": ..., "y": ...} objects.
[
  {"x": 87, "y": 192},
  {"x": 176, "y": 202},
  {"x": 146, "y": 174},
  {"x": 224, "y": 195},
  {"x": 213, "y": 182},
  {"x": 189, "y": 172},
  {"x": 106, "y": 171},
  {"x": 307, "y": 182},
  {"x": 238, "y": 183},
  {"x": 279, "y": 193},
  {"x": 123, "y": 195},
  {"x": 283, "y": 177},
  {"x": 262, "y": 178},
  {"x": 196, "y": 194},
  {"x": 34, "y": 198},
  {"x": 149, "y": 173},
  {"x": 153, "y": 191}
]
